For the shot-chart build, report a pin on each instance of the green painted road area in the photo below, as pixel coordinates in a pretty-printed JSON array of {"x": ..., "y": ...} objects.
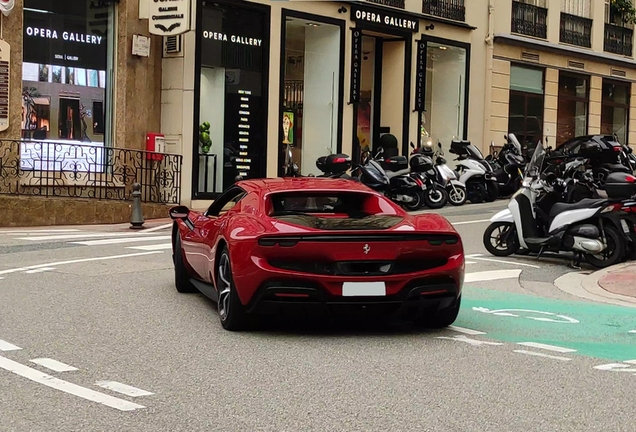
[{"x": 592, "y": 329}]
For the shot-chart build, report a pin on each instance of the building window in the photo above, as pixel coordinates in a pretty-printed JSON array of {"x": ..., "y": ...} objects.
[
  {"x": 310, "y": 122},
  {"x": 231, "y": 114},
  {"x": 445, "y": 97},
  {"x": 572, "y": 106},
  {"x": 615, "y": 109},
  {"x": 525, "y": 108},
  {"x": 67, "y": 70}
]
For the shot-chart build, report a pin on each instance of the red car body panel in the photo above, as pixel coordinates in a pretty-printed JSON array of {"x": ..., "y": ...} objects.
[{"x": 427, "y": 243}]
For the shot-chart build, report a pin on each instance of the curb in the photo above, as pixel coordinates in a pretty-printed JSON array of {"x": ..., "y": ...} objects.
[{"x": 585, "y": 285}]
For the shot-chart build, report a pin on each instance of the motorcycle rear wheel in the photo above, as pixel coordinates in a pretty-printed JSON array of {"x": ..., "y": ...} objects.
[
  {"x": 613, "y": 254},
  {"x": 416, "y": 204},
  {"x": 435, "y": 198}
]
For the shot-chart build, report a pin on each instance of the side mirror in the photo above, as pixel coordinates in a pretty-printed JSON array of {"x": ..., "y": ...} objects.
[
  {"x": 412, "y": 145},
  {"x": 439, "y": 144},
  {"x": 179, "y": 212}
]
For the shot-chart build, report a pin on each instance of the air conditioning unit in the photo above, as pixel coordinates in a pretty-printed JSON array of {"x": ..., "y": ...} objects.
[{"x": 172, "y": 46}]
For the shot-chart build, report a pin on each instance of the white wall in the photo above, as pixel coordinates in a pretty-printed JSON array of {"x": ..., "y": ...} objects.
[
  {"x": 392, "y": 98},
  {"x": 320, "y": 110}
]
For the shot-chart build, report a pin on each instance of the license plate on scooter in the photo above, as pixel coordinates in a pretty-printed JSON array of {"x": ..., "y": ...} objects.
[{"x": 625, "y": 226}]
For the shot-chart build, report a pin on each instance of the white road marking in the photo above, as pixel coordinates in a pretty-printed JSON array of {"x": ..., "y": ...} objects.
[
  {"x": 40, "y": 270},
  {"x": 119, "y": 240},
  {"x": 27, "y": 232},
  {"x": 81, "y": 236},
  {"x": 491, "y": 275},
  {"x": 632, "y": 331},
  {"x": 630, "y": 362},
  {"x": 514, "y": 263},
  {"x": 54, "y": 365},
  {"x": 67, "y": 387},
  {"x": 471, "y": 262},
  {"x": 508, "y": 312},
  {"x": 547, "y": 347},
  {"x": 470, "y": 222},
  {"x": 474, "y": 342},
  {"x": 465, "y": 330},
  {"x": 123, "y": 388},
  {"x": 159, "y": 228},
  {"x": 156, "y": 247},
  {"x": 615, "y": 367},
  {"x": 13, "y": 270},
  {"x": 6, "y": 346},
  {"x": 538, "y": 354}
]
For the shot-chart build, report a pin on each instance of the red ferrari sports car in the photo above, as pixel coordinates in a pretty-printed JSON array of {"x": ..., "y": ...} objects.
[{"x": 330, "y": 244}]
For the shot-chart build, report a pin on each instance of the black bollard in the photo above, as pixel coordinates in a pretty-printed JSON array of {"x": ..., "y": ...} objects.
[{"x": 137, "y": 217}]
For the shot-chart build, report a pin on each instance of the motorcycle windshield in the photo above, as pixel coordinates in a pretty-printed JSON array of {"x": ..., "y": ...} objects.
[
  {"x": 515, "y": 142},
  {"x": 533, "y": 169},
  {"x": 474, "y": 152}
]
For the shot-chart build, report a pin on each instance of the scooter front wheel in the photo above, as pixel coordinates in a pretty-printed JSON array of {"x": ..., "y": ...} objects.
[
  {"x": 457, "y": 195},
  {"x": 435, "y": 197},
  {"x": 500, "y": 239}
]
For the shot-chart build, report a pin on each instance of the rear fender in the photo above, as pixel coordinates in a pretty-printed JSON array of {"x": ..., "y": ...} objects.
[{"x": 614, "y": 219}]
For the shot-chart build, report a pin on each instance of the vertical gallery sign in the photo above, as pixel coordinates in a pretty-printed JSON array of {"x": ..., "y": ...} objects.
[
  {"x": 356, "y": 65},
  {"x": 420, "y": 76},
  {"x": 4, "y": 84}
]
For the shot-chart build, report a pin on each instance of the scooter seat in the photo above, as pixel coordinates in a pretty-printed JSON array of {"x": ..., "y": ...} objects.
[
  {"x": 397, "y": 160},
  {"x": 585, "y": 203},
  {"x": 616, "y": 168},
  {"x": 391, "y": 174}
]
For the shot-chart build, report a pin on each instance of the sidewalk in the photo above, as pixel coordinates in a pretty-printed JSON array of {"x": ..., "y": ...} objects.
[{"x": 614, "y": 285}]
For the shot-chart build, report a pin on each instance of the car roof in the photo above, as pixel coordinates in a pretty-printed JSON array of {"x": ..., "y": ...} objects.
[{"x": 293, "y": 184}]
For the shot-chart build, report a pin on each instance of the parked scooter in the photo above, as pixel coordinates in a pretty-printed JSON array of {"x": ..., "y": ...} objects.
[
  {"x": 475, "y": 172},
  {"x": 536, "y": 221},
  {"x": 444, "y": 175},
  {"x": 507, "y": 166}
]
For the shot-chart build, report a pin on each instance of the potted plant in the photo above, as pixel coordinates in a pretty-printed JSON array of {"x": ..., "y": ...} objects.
[
  {"x": 623, "y": 11},
  {"x": 204, "y": 137}
]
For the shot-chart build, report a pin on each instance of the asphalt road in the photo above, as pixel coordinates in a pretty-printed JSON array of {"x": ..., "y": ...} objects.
[{"x": 137, "y": 356}]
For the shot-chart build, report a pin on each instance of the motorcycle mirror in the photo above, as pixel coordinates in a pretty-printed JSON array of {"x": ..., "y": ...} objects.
[
  {"x": 412, "y": 145},
  {"x": 439, "y": 144}
]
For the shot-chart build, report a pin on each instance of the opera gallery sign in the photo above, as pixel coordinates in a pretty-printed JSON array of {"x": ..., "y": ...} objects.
[{"x": 169, "y": 17}]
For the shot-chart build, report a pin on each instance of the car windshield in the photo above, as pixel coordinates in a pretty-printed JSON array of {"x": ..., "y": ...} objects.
[
  {"x": 533, "y": 169},
  {"x": 334, "y": 209}
]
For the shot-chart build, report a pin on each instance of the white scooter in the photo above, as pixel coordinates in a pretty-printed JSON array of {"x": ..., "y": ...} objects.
[
  {"x": 475, "y": 172},
  {"x": 449, "y": 179},
  {"x": 535, "y": 221}
]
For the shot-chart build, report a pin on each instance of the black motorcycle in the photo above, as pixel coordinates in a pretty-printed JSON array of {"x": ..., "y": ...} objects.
[{"x": 507, "y": 165}]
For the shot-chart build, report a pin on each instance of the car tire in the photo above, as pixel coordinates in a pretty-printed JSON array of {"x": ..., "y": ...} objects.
[
  {"x": 439, "y": 319},
  {"x": 231, "y": 311},
  {"x": 181, "y": 277}
]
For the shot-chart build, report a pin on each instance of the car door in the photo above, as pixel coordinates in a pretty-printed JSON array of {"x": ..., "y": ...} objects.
[{"x": 199, "y": 242}]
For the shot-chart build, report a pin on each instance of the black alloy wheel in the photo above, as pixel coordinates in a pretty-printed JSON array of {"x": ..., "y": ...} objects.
[
  {"x": 613, "y": 253},
  {"x": 231, "y": 312},
  {"x": 500, "y": 239}
]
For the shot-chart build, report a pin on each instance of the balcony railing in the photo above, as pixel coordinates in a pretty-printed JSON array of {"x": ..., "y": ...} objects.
[
  {"x": 576, "y": 30},
  {"x": 451, "y": 9},
  {"x": 618, "y": 40},
  {"x": 529, "y": 20},
  {"x": 59, "y": 169},
  {"x": 393, "y": 3}
]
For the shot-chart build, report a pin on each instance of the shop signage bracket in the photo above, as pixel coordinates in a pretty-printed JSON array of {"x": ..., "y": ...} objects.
[
  {"x": 169, "y": 17},
  {"x": 5, "y": 62}
]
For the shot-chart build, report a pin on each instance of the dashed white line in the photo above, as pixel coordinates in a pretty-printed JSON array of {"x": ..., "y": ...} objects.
[
  {"x": 80, "y": 236},
  {"x": 470, "y": 222},
  {"x": 103, "y": 258},
  {"x": 156, "y": 247},
  {"x": 44, "y": 231},
  {"x": 492, "y": 275},
  {"x": 538, "y": 354},
  {"x": 633, "y": 362},
  {"x": 465, "y": 330},
  {"x": 159, "y": 228},
  {"x": 40, "y": 270},
  {"x": 632, "y": 331},
  {"x": 120, "y": 240},
  {"x": 67, "y": 387},
  {"x": 6, "y": 346},
  {"x": 54, "y": 365},
  {"x": 471, "y": 262},
  {"x": 123, "y": 388},
  {"x": 478, "y": 257},
  {"x": 547, "y": 347},
  {"x": 474, "y": 342}
]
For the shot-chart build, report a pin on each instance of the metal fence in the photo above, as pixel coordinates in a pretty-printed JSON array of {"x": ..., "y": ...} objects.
[{"x": 58, "y": 169}]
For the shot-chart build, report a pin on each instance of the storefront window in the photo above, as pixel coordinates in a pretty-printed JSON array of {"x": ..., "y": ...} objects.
[
  {"x": 445, "y": 95},
  {"x": 66, "y": 72},
  {"x": 615, "y": 109},
  {"x": 525, "y": 108},
  {"x": 231, "y": 133},
  {"x": 311, "y": 93},
  {"x": 572, "y": 110}
]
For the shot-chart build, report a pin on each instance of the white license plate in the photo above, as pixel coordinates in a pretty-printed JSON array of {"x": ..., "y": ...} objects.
[
  {"x": 363, "y": 289},
  {"x": 625, "y": 226}
]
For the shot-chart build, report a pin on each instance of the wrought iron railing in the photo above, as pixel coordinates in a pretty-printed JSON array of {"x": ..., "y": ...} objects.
[
  {"x": 618, "y": 40},
  {"x": 576, "y": 30},
  {"x": 529, "y": 20},
  {"x": 58, "y": 169},
  {"x": 451, "y": 9},
  {"x": 393, "y": 3}
]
